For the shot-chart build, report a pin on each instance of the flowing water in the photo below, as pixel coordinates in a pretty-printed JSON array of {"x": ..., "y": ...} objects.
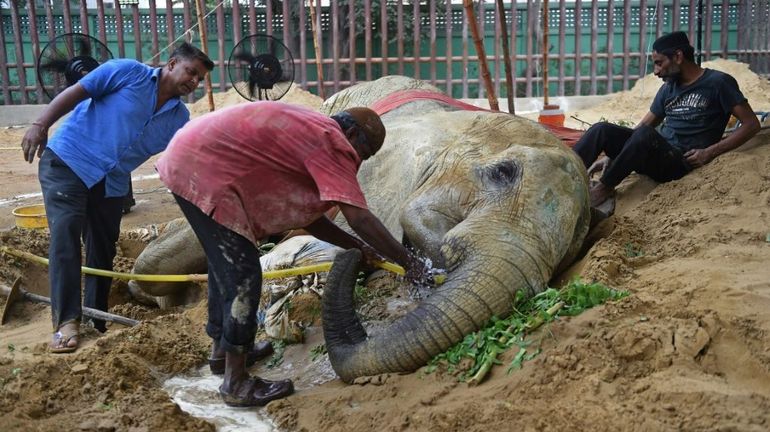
[
  {"x": 197, "y": 392},
  {"x": 199, "y": 396}
]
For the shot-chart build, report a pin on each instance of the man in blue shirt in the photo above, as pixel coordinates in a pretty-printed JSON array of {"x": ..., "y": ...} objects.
[
  {"x": 696, "y": 104},
  {"x": 124, "y": 112}
]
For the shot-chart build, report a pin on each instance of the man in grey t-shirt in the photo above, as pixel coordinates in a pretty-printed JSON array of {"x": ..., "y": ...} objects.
[{"x": 696, "y": 104}]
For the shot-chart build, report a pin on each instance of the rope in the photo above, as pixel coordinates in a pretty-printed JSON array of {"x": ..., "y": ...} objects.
[
  {"x": 643, "y": 61},
  {"x": 190, "y": 30}
]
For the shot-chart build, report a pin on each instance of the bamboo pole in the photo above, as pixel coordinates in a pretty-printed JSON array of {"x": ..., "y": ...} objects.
[
  {"x": 506, "y": 56},
  {"x": 205, "y": 49},
  {"x": 16, "y": 292},
  {"x": 482, "y": 55},
  {"x": 545, "y": 52},
  {"x": 318, "y": 65}
]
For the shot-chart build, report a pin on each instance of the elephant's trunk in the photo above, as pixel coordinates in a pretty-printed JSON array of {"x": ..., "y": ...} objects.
[{"x": 462, "y": 305}]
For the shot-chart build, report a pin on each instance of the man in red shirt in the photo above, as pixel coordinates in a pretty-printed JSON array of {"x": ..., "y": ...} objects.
[{"x": 252, "y": 170}]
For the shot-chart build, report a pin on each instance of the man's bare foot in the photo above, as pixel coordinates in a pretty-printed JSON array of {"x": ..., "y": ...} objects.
[{"x": 600, "y": 193}]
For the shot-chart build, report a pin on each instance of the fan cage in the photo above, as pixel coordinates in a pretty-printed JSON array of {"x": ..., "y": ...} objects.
[{"x": 251, "y": 68}]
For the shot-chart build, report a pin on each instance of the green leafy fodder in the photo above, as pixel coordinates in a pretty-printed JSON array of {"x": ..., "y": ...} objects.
[
  {"x": 473, "y": 357},
  {"x": 279, "y": 346},
  {"x": 317, "y": 352}
]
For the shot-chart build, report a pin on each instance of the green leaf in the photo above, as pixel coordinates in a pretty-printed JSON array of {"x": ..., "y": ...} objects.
[
  {"x": 500, "y": 335},
  {"x": 517, "y": 360}
]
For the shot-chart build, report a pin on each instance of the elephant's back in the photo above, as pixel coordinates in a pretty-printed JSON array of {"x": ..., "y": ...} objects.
[{"x": 367, "y": 93}]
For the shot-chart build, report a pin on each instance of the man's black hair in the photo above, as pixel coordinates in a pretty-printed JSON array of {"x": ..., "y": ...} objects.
[
  {"x": 189, "y": 52},
  {"x": 669, "y": 44},
  {"x": 345, "y": 120}
]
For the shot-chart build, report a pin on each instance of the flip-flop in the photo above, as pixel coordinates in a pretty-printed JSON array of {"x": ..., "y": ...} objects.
[
  {"x": 256, "y": 391},
  {"x": 64, "y": 342},
  {"x": 260, "y": 350}
]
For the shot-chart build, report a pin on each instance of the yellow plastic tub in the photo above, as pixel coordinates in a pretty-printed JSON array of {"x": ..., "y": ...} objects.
[{"x": 31, "y": 216}]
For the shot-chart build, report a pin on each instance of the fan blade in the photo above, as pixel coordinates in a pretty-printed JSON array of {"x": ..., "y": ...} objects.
[
  {"x": 250, "y": 59},
  {"x": 85, "y": 47},
  {"x": 245, "y": 57},
  {"x": 55, "y": 65}
]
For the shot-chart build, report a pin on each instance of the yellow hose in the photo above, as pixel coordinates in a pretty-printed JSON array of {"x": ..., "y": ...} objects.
[{"x": 274, "y": 274}]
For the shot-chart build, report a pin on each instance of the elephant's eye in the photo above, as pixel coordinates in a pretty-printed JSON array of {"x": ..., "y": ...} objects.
[{"x": 500, "y": 175}]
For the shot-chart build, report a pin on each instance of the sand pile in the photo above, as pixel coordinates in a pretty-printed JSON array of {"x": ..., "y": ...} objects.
[
  {"x": 630, "y": 106},
  {"x": 689, "y": 349},
  {"x": 295, "y": 96}
]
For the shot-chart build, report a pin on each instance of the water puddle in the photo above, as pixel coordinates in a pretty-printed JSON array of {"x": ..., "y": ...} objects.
[
  {"x": 197, "y": 393},
  {"x": 199, "y": 396}
]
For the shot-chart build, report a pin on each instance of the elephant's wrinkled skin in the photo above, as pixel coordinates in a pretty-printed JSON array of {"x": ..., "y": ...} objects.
[{"x": 495, "y": 199}]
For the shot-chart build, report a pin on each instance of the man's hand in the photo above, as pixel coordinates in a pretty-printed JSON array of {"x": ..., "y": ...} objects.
[
  {"x": 371, "y": 259},
  {"x": 36, "y": 138},
  {"x": 34, "y": 141},
  {"x": 698, "y": 157},
  {"x": 599, "y": 166}
]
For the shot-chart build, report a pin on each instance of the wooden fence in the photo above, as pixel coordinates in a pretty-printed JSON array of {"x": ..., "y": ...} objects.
[{"x": 594, "y": 47}]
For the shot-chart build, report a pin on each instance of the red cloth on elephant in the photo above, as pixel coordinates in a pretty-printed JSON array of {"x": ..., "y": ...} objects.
[
  {"x": 262, "y": 168},
  {"x": 392, "y": 101}
]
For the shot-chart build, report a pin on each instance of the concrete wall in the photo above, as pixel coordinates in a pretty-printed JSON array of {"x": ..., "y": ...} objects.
[{"x": 19, "y": 115}]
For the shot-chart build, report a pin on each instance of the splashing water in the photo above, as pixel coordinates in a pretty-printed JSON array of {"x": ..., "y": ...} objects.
[{"x": 198, "y": 395}]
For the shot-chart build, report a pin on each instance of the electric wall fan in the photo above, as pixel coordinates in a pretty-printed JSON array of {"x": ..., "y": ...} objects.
[
  {"x": 261, "y": 67},
  {"x": 67, "y": 58}
]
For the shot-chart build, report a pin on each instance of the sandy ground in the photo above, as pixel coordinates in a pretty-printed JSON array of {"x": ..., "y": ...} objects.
[{"x": 689, "y": 349}]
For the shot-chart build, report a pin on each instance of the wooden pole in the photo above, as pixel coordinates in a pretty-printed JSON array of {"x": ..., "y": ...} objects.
[
  {"x": 16, "y": 292},
  {"x": 506, "y": 56},
  {"x": 318, "y": 65},
  {"x": 545, "y": 52},
  {"x": 205, "y": 49},
  {"x": 482, "y": 55}
]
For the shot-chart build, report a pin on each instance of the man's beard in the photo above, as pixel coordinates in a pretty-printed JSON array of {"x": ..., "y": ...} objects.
[{"x": 673, "y": 76}]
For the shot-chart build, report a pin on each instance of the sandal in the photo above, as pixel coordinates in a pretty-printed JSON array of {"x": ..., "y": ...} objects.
[
  {"x": 65, "y": 340},
  {"x": 255, "y": 391},
  {"x": 260, "y": 350}
]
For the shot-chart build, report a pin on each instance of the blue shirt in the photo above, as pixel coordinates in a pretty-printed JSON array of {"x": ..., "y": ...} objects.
[
  {"x": 696, "y": 115},
  {"x": 117, "y": 129}
]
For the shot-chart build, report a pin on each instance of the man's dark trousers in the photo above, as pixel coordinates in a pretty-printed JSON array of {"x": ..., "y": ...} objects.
[
  {"x": 235, "y": 278},
  {"x": 73, "y": 210},
  {"x": 642, "y": 150}
]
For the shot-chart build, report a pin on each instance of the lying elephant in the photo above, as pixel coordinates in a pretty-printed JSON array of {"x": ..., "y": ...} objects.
[{"x": 495, "y": 199}]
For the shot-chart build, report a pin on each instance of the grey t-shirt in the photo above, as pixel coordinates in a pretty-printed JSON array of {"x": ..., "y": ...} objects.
[{"x": 695, "y": 116}]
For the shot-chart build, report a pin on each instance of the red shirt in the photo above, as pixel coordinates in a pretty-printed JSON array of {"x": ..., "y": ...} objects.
[{"x": 262, "y": 168}]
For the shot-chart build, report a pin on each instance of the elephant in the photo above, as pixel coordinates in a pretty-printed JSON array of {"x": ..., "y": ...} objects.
[{"x": 495, "y": 199}]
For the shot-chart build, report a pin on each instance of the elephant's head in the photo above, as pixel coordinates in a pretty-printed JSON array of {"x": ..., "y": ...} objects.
[{"x": 495, "y": 199}]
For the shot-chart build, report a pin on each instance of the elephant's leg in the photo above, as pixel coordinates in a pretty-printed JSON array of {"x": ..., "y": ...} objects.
[{"x": 426, "y": 220}]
